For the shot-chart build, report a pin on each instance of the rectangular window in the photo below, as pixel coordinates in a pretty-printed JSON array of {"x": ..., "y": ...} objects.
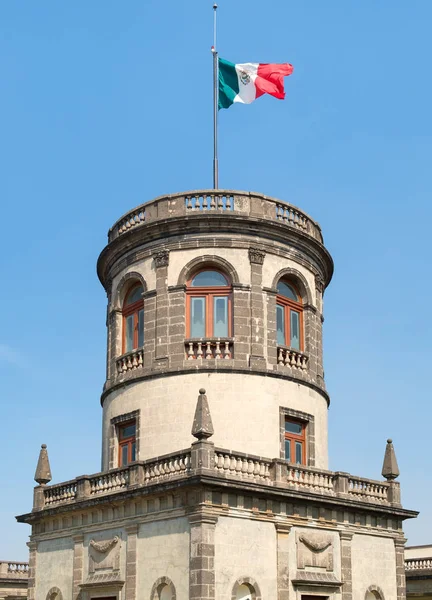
[
  {"x": 127, "y": 443},
  {"x": 295, "y": 441},
  {"x": 280, "y": 324},
  {"x": 220, "y": 316},
  {"x": 295, "y": 330},
  {"x": 197, "y": 317}
]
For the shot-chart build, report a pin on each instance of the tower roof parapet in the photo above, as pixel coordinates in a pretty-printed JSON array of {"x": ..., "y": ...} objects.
[{"x": 194, "y": 202}]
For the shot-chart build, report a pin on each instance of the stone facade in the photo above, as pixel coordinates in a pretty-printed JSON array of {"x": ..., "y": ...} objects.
[
  {"x": 225, "y": 516},
  {"x": 13, "y": 580},
  {"x": 418, "y": 572}
]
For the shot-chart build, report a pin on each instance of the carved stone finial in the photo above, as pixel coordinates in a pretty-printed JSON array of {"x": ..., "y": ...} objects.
[
  {"x": 319, "y": 284},
  {"x": 202, "y": 427},
  {"x": 43, "y": 469},
  {"x": 161, "y": 258},
  {"x": 390, "y": 468},
  {"x": 256, "y": 255}
]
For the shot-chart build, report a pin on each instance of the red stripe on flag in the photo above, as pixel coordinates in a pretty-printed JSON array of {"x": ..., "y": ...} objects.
[{"x": 270, "y": 79}]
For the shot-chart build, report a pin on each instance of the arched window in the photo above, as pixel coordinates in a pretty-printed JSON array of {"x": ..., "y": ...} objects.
[
  {"x": 244, "y": 592},
  {"x": 374, "y": 593},
  {"x": 208, "y": 305},
  {"x": 289, "y": 316},
  {"x": 163, "y": 589},
  {"x": 133, "y": 319}
]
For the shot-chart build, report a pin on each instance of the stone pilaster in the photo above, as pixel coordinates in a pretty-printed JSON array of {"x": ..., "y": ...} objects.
[
  {"x": 177, "y": 324},
  {"x": 202, "y": 553},
  {"x": 256, "y": 258},
  {"x": 149, "y": 327},
  {"x": 283, "y": 580},
  {"x": 346, "y": 564},
  {"x": 271, "y": 327},
  {"x": 32, "y": 546},
  {"x": 400, "y": 568},
  {"x": 131, "y": 562},
  {"x": 161, "y": 260},
  {"x": 114, "y": 334},
  {"x": 78, "y": 565},
  {"x": 241, "y": 309}
]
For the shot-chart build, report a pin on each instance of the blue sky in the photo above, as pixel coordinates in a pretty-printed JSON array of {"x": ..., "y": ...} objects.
[{"x": 104, "y": 105}]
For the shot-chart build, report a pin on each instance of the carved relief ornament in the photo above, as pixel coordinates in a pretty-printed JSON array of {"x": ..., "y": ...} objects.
[
  {"x": 161, "y": 258},
  {"x": 104, "y": 546},
  {"x": 314, "y": 550},
  {"x": 256, "y": 255}
]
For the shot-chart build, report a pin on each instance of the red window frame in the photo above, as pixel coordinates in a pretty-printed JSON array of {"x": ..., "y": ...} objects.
[
  {"x": 292, "y": 438},
  {"x": 208, "y": 292},
  {"x": 127, "y": 441},
  {"x": 289, "y": 305},
  {"x": 128, "y": 310}
]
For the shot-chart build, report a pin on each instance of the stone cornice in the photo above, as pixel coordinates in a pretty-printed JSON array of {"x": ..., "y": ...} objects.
[
  {"x": 142, "y": 375},
  {"x": 201, "y": 225}
]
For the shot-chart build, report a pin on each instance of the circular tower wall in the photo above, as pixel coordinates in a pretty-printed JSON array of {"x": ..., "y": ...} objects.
[{"x": 223, "y": 291}]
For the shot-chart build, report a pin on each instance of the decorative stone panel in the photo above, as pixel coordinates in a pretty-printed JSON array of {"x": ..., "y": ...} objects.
[
  {"x": 314, "y": 550},
  {"x": 104, "y": 556}
]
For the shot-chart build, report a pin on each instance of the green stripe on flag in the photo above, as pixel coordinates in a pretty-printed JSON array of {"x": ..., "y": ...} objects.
[{"x": 228, "y": 83}]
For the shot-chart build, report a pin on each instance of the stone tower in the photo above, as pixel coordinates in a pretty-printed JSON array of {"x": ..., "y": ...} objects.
[{"x": 215, "y": 481}]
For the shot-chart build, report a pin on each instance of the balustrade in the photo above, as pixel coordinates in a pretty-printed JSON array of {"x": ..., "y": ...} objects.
[
  {"x": 365, "y": 489},
  {"x": 315, "y": 480},
  {"x": 416, "y": 564},
  {"x": 207, "y": 349},
  {"x": 165, "y": 467},
  {"x": 13, "y": 570},
  {"x": 208, "y": 201},
  {"x": 292, "y": 358},
  {"x": 130, "y": 361},
  {"x": 109, "y": 482},
  {"x": 64, "y": 492},
  {"x": 202, "y": 202},
  {"x": 242, "y": 466},
  {"x": 235, "y": 465}
]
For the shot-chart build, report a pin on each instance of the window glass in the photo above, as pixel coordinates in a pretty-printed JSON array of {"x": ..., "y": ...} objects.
[
  {"x": 298, "y": 452},
  {"x": 129, "y": 333},
  {"x": 220, "y": 316},
  {"x": 133, "y": 453},
  {"x": 140, "y": 328},
  {"x": 134, "y": 295},
  {"x": 124, "y": 455},
  {"x": 128, "y": 431},
  {"x": 208, "y": 279},
  {"x": 280, "y": 325},
  {"x": 197, "y": 317},
  {"x": 295, "y": 330},
  {"x": 293, "y": 427},
  {"x": 288, "y": 450},
  {"x": 287, "y": 291},
  {"x": 165, "y": 593},
  {"x": 244, "y": 593}
]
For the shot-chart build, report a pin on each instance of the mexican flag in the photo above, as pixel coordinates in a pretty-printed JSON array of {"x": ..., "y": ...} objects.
[{"x": 248, "y": 81}]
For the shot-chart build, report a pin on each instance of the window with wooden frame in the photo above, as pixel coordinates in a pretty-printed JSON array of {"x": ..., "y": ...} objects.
[
  {"x": 295, "y": 441},
  {"x": 133, "y": 319},
  {"x": 127, "y": 443},
  {"x": 289, "y": 316},
  {"x": 209, "y": 305}
]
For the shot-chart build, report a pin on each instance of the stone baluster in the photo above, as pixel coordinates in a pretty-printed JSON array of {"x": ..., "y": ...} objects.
[
  {"x": 227, "y": 353},
  {"x": 218, "y": 350},
  {"x": 208, "y": 353},
  {"x": 200, "y": 350}
]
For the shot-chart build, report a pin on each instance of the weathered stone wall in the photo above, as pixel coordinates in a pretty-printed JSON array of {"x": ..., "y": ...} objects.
[
  {"x": 373, "y": 564},
  {"x": 245, "y": 550},
  {"x": 163, "y": 552},
  {"x": 54, "y": 567},
  {"x": 245, "y": 410}
]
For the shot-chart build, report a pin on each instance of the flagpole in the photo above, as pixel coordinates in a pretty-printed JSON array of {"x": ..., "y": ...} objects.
[{"x": 215, "y": 103}]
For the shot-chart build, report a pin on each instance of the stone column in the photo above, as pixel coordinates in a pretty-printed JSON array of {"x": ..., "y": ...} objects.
[
  {"x": 32, "y": 570},
  {"x": 78, "y": 565},
  {"x": 346, "y": 564},
  {"x": 131, "y": 561},
  {"x": 202, "y": 553},
  {"x": 149, "y": 327},
  {"x": 400, "y": 568},
  {"x": 271, "y": 326},
  {"x": 161, "y": 260},
  {"x": 283, "y": 580},
  {"x": 257, "y": 359}
]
